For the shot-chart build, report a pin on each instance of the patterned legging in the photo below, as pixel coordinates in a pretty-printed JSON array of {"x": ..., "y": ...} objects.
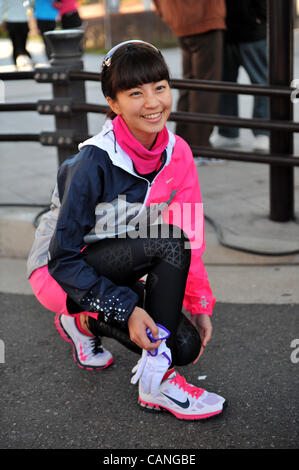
[{"x": 165, "y": 259}]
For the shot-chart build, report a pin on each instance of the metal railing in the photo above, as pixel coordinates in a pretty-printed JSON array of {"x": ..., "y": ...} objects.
[
  {"x": 67, "y": 106},
  {"x": 70, "y": 109}
]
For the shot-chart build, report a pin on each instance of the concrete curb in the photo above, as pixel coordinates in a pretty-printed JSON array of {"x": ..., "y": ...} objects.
[{"x": 17, "y": 234}]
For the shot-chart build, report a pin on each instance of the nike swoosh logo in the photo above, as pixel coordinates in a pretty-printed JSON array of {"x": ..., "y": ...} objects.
[
  {"x": 82, "y": 356},
  {"x": 168, "y": 181},
  {"x": 184, "y": 404}
]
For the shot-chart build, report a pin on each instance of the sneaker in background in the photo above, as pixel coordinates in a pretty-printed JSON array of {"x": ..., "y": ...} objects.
[
  {"x": 219, "y": 141},
  {"x": 23, "y": 62},
  {"x": 261, "y": 143}
]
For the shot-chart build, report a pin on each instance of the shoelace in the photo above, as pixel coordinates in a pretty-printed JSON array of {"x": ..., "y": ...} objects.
[
  {"x": 191, "y": 389},
  {"x": 96, "y": 345}
]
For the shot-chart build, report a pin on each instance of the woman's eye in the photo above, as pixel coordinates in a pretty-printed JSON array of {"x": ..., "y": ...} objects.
[
  {"x": 160, "y": 87},
  {"x": 135, "y": 93}
]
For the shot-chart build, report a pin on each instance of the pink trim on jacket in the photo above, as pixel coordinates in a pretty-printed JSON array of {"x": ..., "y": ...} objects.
[
  {"x": 186, "y": 211},
  {"x": 49, "y": 293}
]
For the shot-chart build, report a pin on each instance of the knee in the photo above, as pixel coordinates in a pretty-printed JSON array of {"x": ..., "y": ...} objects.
[
  {"x": 187, "y": 343},
  {"x": 176, "y": 246}
]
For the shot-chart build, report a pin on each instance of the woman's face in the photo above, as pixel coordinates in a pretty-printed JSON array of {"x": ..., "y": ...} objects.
[{"x": 145, "y": 109}]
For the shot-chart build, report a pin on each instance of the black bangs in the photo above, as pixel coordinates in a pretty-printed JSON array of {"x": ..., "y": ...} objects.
[{"x": 131, "y": 66}]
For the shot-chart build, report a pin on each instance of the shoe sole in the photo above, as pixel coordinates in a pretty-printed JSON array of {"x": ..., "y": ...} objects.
[
  {"x": 68, "y": 339},
  {"x": 154, "y": 408}
]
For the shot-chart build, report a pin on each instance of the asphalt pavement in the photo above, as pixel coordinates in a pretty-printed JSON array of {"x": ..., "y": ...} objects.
[{"x": 48, "y": 402}]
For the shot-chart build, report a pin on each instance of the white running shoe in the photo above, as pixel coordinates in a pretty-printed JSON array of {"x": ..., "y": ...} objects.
[
  {"x": 23, "y": 62},
  {"x": 88, "y": 351},
  {"x": 183, "y": 400},
  {"x": 261, "y": 143},
  {"x": 220, "y": 141}
]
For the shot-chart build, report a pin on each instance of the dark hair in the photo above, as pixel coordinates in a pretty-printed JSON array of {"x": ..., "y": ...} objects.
[{"x": 132, "y": 65}]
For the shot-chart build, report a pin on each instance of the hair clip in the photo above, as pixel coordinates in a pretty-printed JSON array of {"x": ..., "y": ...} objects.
[{"x": 107, "y": 62}]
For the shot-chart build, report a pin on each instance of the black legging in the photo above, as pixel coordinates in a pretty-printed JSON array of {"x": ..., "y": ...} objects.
[
  {"x": 44, "y": 26},
  {"x": 18, "y": 33},
  {"x": 165, "y": 259}
]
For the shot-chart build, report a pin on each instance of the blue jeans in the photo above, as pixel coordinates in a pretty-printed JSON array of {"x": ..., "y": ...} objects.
[{"x": 253, "y": 57}]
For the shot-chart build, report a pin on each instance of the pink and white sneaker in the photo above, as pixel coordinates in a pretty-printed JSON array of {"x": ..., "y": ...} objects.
[
  {"x": 88, "y": 350},
  {"x": 183, "y": 400}
]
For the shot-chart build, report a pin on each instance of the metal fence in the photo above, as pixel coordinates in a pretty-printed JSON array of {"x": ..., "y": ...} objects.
[{"x": 70, "y": 109}]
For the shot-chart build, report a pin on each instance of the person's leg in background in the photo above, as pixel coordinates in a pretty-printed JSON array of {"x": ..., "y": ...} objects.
[
  {"x": 202, "y": 60},
  {"x": 18, "y": 33},
  {"x": 228, "y": 103},
  {"x": 44, "y": 26},
  {"x": 254, "y": 60},
  {"x": 182, "y": 128}
]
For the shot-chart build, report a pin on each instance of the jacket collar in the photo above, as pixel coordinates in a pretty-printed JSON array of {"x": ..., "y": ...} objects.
[{"x": 105, "y": 140}]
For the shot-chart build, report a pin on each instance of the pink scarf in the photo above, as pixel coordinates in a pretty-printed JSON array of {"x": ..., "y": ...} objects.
[{"x": 145, "y": 161}]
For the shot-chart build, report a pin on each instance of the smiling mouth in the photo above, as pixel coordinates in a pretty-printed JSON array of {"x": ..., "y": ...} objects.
[{"x": 152, "y": 116}]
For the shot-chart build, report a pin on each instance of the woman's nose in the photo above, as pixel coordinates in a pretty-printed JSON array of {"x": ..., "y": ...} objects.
[{"x": 151, "y": 100}]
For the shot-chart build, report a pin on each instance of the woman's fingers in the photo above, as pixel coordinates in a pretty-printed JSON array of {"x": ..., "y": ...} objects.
[
  {"x": 199, "y": 355},
  {"x": 143, "y": 341},
  {"x": 138, "y": 323}
]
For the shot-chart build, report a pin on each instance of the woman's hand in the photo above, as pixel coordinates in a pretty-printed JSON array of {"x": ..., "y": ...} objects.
[
  {"x": 138, "y": 322},
  {"x": 204, "y": 327}
]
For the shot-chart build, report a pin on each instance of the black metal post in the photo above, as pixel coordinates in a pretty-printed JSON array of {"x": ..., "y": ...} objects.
[
  {"x": 67, "y": 51},
  {"x": 280, "y": 54}
]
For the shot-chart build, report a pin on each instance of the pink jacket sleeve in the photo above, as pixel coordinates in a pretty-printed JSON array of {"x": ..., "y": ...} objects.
[{"x": 186, "y": 211}]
